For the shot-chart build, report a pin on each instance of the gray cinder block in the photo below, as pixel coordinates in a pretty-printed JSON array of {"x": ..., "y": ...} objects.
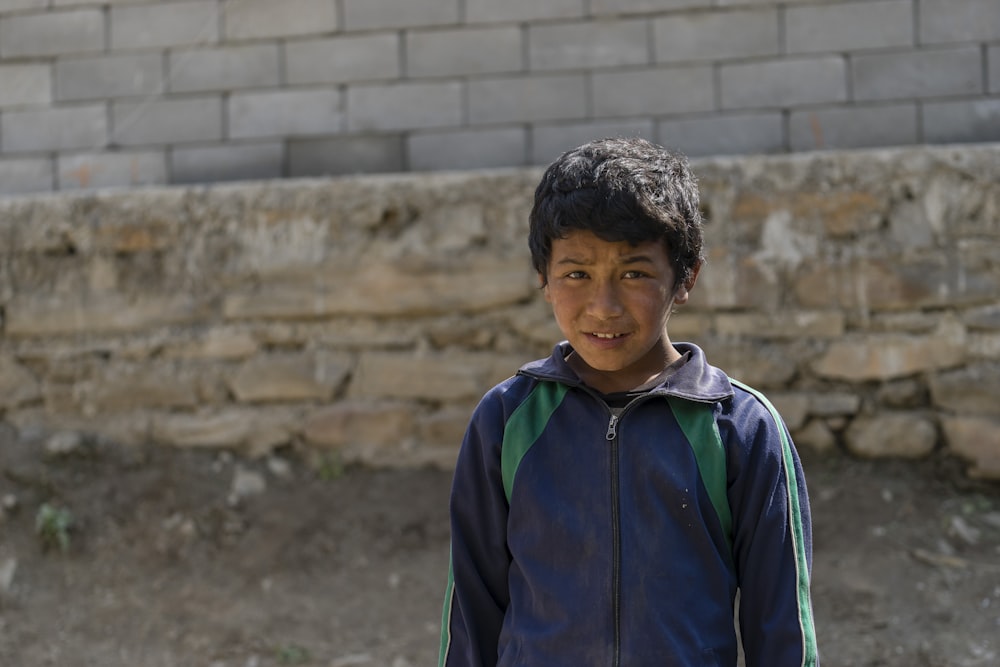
[
  {"x": 853, "y": 127},
  {"x": 917, "y": 74},
  {"x": 736, "y": 134},
  {"x": 227, "y": 162},
  {"x": 278, "y": 113},
  {"x": 27, "y": 84},
  {"x": 944, "y": 21},
  {"x": 103, "y": 170},
  {"x": 549, "y": 141},
  {"x": 653, "y": 91},
  {"x": 349, "y": 58},
  {"x": 231, "y": 68},
  {"x": 360, "y": 154},
  {"x": 379, "y": 14},
  {"x": 401, "y": 106},
  {"x": 487, "y": 11},
  {"x": 256, "y": 19},
  {"x": 877, "y": 24},
  {"x": 64, "y": 128},
  {"x": 783, "y": 83},
  {"x": 465, "y": 51},
  {"x": 582, "y": 45},
  {"x": 962, "y": 121},
  {"x": 718, "y": 35},
  {"x": 52, "y": 33},
  {"x": 24, "y": 175},
  {"x": 468, "y": 149},
  {"x": 167, "y": 121},
  {"x": 164, "y": 24},
  {"x": 994, "y": 68},
  {"x": 132, "y": 74},
  {"x": 527, "y": 99}
]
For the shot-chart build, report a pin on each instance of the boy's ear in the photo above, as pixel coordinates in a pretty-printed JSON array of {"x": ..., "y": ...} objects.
[{"x": 683, "y": 291}]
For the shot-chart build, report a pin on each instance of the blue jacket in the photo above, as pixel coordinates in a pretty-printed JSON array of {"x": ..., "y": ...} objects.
[{"x": 581, "y": 539}]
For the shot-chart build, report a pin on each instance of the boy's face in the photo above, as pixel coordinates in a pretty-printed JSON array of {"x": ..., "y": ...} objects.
[{"x": 611, "y": 301}]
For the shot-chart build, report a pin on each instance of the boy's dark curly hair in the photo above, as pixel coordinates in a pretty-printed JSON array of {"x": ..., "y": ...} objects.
[{"x": 621, "y": 189}]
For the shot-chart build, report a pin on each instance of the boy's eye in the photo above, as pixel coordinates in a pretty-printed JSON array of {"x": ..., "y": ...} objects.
[
  {"x": 633, "y": 274},
  {"x": 576, "y": 275}
]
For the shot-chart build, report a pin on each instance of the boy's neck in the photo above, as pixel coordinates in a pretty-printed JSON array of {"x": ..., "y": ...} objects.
[{"x": 613, "y": 382}]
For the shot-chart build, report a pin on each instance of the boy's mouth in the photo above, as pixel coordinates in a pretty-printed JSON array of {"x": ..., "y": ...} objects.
[{"x": 607, "y": 336}]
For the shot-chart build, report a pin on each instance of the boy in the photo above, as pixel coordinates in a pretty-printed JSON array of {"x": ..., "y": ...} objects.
[{"x": 609, "y": 501}]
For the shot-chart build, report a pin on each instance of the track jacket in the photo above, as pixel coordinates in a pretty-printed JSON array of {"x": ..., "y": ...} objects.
[{"x": 584, "y": 539}]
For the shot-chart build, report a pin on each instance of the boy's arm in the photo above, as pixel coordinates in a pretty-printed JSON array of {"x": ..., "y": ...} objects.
[
  {"x": 477, "y": 594},
  {"x": 773, "y": 548}
]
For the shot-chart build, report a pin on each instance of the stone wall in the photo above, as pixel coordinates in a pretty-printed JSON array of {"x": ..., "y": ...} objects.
[
  {"x": 363, "y": 317},
  {"x": 98, "y": 93}
]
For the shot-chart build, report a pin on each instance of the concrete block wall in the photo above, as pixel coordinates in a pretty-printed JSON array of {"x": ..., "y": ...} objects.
[{"x": 101, "y": 93}]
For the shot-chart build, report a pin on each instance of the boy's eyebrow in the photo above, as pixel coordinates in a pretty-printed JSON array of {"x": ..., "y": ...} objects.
[
  {"x": 637, "y": 259},
  {"x": 628, "y": 259}
]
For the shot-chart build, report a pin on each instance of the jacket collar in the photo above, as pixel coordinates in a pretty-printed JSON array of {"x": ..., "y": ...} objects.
[{"x": 696, "y": 380}]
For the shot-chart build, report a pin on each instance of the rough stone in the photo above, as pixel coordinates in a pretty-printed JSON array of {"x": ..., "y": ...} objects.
[
  {"x": 388, "y": 290},
  {"x": 8, "y": 568},
  {"x": 969, "y": 390},
  {"x": 63, "y": 443},
  {"x": 126, "y": 388},
  {"x": 202, "y": 430},
  {"x": 986, "y": 318},
  {"x": 909, "y": 435},
  {"x": 800, "y": 324},
  {"x": 291, "y": 377},
  {"x": 223, "y": 344},
  {"x": 360, "y": 424},
  {"x": 977, "y": 440},
  {"x": 984, "y": 347},
  {"x": 130, "y": 428},
  {"x": 738, "y": 281},
  {"x": 794, "y": 408},
  {"x": 838, "y": 214},
  {"x": 446, "y": 427},
  {"x": 832, "y": 403},
  {"x": 894, "y": 283},
  {"x": 45, "y": 316},
  {"x": 252, "y": 431},
  {"x": 761, "y": 366},
  {"x": 906, "y": 393},
  {"x": 434, "y": 377},
  {"x": 684, "y": 326},
  {"x": 815, "y": 435},
  {"x": 246, "y": 483},
  {"x": 18, "y": 385},
  {"x": 913, "y": 322},
  {"x": 887, "y": 357}
]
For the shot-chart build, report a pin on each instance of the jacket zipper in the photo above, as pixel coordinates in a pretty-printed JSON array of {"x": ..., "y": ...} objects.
[{"x": 612, "y": 436}]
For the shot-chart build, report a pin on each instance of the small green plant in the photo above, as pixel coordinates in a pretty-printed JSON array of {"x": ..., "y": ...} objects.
[
  {"x": 331, "y": 467},
  {"x": 291, "y": 654},
  {"x": 52, "y": 525}
]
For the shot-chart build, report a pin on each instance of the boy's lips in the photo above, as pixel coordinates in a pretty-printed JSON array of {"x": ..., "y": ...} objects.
[{"x": 605, "y": 340}]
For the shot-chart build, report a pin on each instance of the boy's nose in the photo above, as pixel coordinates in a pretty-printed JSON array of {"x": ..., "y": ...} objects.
[{"x": 605, "y": 302}]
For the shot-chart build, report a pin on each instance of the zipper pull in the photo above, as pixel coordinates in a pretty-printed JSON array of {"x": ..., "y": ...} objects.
[{"x": 612, "y": 427}]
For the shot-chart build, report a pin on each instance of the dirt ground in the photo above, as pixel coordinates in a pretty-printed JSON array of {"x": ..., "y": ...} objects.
[{"x": 200, "y": 558}]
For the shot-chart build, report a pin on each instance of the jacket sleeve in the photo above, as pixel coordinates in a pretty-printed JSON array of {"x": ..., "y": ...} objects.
[
  {"x": 772, "y": 542},
  {"x": 477, "y": 594}
]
